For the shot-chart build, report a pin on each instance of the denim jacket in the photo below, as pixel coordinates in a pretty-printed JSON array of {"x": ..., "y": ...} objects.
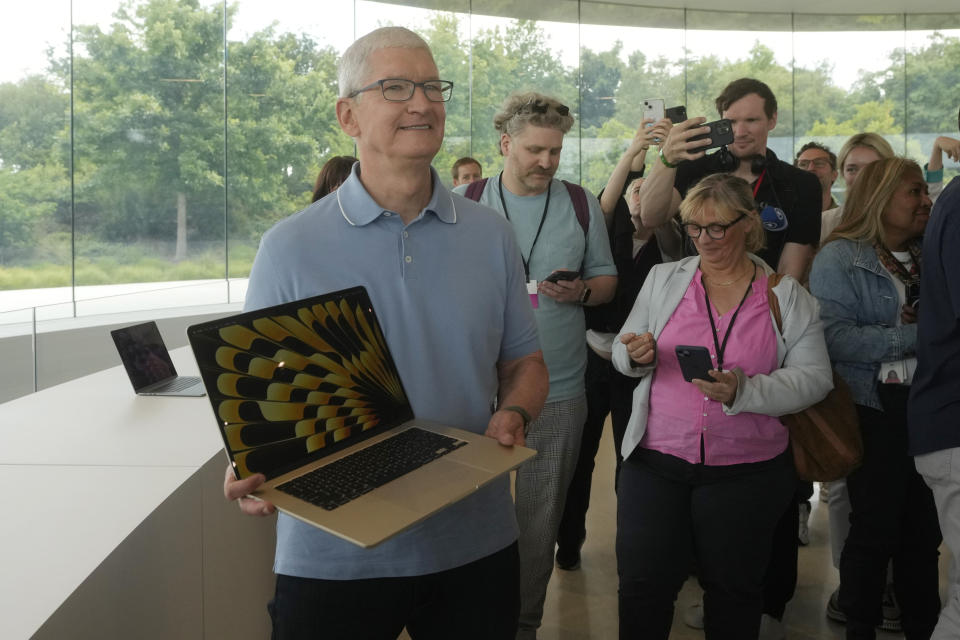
[{"x": 859, "y": 306}]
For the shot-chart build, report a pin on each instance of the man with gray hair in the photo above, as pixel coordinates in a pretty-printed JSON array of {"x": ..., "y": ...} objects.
[
  {"x": 566, "y": 256},
  {"x": 460, "y": 342}
]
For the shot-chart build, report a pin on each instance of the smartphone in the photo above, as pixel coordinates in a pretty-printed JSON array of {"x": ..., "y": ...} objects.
[
  {"x": 562, "y": 274},
  {"x": 694, "y": 362},
  {"x": 676, "y": 114},
  {"x": 721, "y": 133},
  {"x": 653, "y": 109}
]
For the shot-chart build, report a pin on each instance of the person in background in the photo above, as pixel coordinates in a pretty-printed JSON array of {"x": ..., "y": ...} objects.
[
  {"x": 331, "y": 176},
  {"x": 821, "y": 162},
  {"x": 935, "y": 394},
  {"x": 862, "y": 277},
  {"x": 933, "y": 170},
  {"x": 707, "y": 466},
  {"x": 466, "y": 170},
  {"x": 394, "y": 229},
  {"x": 856, "y": 153},
  {"x": 635, "y": 250},
  {"x": 553, "y": 237},
  {"x": 788, "y": 198}
]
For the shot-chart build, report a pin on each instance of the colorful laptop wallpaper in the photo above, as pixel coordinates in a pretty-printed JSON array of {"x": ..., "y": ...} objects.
[{"x": 299, "y": 381}]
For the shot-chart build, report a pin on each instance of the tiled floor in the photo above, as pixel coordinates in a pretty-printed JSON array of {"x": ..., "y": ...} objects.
[{"x": 583, "y": 604}]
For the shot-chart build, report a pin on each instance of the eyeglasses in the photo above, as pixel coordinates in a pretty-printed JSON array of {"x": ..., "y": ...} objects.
[
  {"x": 819, "y": 163},
  {"x": 538, "y": 106},
  {"x": 715, "y": 230},
  {"x": 401, "y": 89}
]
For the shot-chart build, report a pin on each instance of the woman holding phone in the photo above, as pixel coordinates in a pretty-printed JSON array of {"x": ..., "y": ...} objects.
[
  {"x": 709, "y": 457},
  {"x": 863, "y": 278}
]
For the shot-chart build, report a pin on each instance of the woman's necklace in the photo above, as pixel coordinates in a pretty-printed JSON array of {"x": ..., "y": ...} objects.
[{"x": 737, "y": 279}]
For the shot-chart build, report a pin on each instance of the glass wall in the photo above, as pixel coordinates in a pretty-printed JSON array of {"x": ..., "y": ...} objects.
[{"x": 154, "y": 141}]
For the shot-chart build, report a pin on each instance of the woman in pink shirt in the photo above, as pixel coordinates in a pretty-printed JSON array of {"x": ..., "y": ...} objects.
[{"x": 707, "y": 468}]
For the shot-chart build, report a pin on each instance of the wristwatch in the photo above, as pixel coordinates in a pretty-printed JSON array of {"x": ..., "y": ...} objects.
[
  {"x": 584, "y": 296},
  {"x": 520, "y": 411}
]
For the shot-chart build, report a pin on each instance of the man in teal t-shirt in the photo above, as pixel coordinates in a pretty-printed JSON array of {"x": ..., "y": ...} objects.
[{"x": 552, "y": 238}]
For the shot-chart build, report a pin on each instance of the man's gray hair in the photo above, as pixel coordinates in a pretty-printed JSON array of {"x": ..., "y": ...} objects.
[
  {"x": 522, "y": 109},
  {"x": 354, "y": 66}
]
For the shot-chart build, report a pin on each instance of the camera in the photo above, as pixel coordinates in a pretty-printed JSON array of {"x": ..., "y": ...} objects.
[{"x": 913, "y": 294}]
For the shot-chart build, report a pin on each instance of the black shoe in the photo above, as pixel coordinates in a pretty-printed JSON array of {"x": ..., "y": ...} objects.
[{"x": 569, "y": 560}]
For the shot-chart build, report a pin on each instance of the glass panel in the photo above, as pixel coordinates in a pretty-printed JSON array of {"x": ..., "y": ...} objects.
[
  {"x": 849, "y": 80},
  {"x": 724, "y": 46},
  {"x": 523, "y": 55},
  {"x": 932, "y": 76},
  {"x": 149, "y": 145},
  {"x": 35, "y": 223},
  {"x": 621, "y": 66},
  {"x": 282, "y": 126}
]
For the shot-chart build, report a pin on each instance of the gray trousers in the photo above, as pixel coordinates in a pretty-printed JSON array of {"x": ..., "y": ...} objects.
[
  {"x": 541, "y": 492},
  {"x": 941, "y": 472}
]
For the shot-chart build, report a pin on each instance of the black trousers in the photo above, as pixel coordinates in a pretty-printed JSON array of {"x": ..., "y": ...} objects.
[
  {"x": 780, "y": 582},
  {"x": 608, "y": 392},
  {"x": 667, "y": 507},
  {"x": 893, "y": 517},
  {"x": 478, "y": 601}
]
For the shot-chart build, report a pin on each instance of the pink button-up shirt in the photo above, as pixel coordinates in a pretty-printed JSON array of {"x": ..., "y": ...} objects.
[{"x": 680, "y": 415}]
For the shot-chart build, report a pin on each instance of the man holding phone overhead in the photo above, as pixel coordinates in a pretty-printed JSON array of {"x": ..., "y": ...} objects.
[{"x": 788, "y": 198}]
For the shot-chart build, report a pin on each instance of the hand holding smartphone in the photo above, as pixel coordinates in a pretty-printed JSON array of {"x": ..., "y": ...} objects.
[
  {"x": 561, "y": 274},
  {"x": 695, "y": 362}
]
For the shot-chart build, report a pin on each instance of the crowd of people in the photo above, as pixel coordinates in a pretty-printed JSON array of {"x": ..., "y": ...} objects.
[{"x": 650, "y": 304}]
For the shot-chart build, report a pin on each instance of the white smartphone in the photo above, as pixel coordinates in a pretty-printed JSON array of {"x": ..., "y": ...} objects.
[{"x": 654, "y": 109}]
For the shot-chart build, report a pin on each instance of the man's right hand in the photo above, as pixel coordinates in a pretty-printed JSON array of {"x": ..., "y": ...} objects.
[
  {"x": 676, "y": 148},
  {"x": 234, "y": 489}
]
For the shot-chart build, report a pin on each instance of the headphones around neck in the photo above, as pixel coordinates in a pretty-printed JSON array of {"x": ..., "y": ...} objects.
[{"x": 729, "y": 162}]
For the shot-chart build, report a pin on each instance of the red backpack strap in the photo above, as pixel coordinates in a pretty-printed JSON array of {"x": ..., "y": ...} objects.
[
  {"x": 579, "y": 198},
  {"x": 475, "y": 189}
]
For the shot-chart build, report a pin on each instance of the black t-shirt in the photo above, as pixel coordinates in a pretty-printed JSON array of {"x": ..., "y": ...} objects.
[
  {"x": 934, "y": 408},
  {"x": 631, "y": 272},
  {"x": 789, "y": 200}
]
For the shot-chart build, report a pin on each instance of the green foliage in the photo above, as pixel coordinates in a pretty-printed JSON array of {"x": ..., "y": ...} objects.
[{"x": 177, "y": 129}]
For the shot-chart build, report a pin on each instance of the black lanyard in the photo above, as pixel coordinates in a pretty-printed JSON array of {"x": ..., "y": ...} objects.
[
  {"x": 721, "y": 347},
  {"x": 543, "y": 217}
]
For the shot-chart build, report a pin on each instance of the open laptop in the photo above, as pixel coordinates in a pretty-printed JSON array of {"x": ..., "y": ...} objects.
[
  {"x": 302, "y": 390},
  {"x": 148, "y": 363}
]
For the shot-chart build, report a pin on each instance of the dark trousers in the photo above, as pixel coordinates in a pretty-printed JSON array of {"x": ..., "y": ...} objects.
[
  {"x": 608, "y": 392},
  {"x": 893, "y": 517},
  {"x": 667, "y": 507},
  {"x": 780, "y": 582},
  {"x": 478, "y": 601}
]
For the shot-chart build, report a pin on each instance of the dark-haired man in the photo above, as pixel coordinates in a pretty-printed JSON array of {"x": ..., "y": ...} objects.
[
  {"x": 788, "y": 198},
  {"x": 821, "y": 162},
  {"x": 466, "y": 170}
]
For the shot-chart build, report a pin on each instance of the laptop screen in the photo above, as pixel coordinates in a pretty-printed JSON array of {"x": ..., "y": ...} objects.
[
  {"x": 299, "y": 381},
  {"x": 144, "y": 355}
]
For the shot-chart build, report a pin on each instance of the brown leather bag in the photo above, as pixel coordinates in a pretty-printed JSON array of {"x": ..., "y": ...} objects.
[{"x": 825, "y": 437}]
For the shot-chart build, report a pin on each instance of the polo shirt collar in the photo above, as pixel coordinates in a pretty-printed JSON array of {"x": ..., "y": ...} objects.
[{"x": 359, "y": 208}]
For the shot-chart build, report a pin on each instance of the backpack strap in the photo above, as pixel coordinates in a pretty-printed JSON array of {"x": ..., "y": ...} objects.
[
  {"x": 579, "y": 198},
  {"x": 475, "y": 189}
]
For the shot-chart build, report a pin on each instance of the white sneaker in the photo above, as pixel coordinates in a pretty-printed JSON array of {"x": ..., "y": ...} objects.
[
  {"x": 693, "y": 616},
  {"x": 803, "y": 533},
  {"x": 771, "y": 628}
]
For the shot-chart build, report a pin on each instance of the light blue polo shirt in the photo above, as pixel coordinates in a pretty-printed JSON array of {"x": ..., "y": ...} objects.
[
  {"x": 449, "y": 291},
  {"x": 561, "y": 245}
]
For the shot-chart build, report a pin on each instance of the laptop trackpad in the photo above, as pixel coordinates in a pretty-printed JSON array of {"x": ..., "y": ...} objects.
[{"x": 440, "y": 482}]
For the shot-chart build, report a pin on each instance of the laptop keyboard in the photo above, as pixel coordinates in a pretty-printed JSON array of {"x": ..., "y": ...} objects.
[{"x": 341, "y": 481}]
